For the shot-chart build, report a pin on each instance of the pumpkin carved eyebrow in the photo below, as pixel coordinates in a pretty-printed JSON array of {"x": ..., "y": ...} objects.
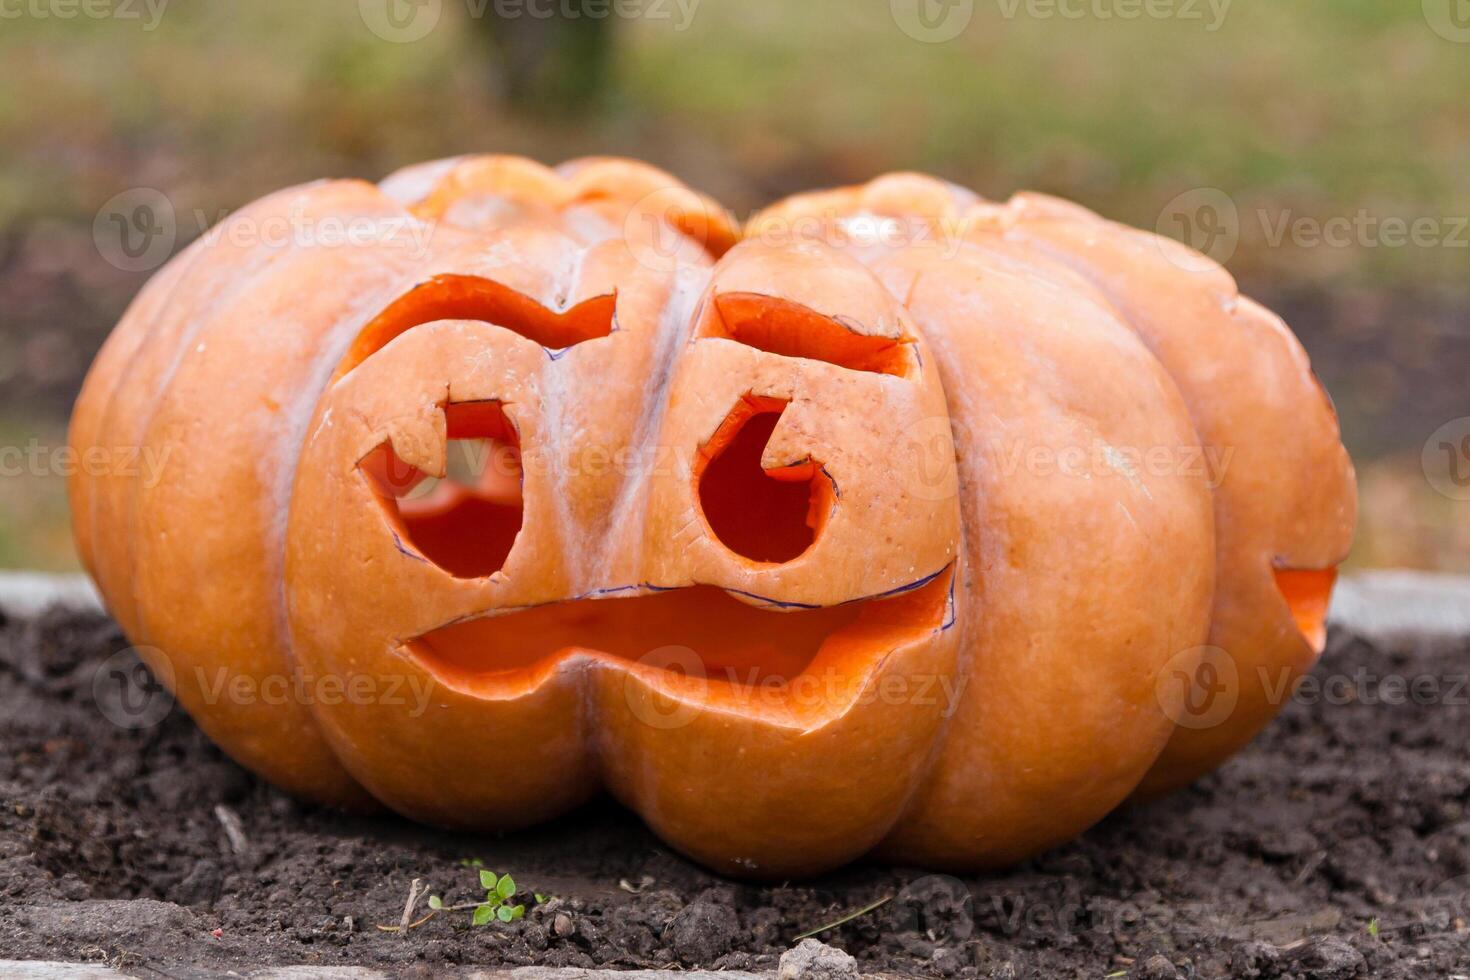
[
  {"x": 461, "y": 297},
  {"x": 779, "y": 326}
]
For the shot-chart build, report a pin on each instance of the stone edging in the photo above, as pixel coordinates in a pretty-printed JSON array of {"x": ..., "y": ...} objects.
[{"x": 28, "y": 593}]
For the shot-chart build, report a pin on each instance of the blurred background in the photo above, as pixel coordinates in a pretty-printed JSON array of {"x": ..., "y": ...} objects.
[{"x": 1321, "y": 148}]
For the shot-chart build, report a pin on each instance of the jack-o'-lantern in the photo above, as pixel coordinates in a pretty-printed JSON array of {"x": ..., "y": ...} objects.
[{"x": 801, "y": 546}]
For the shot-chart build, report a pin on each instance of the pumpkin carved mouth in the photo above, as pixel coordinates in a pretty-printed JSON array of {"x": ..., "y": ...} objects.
[{"x": 793, "y": 663}]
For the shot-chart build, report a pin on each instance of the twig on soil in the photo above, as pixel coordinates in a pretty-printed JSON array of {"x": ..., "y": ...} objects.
[
  {"x": 1313, "y": 863},
  {"x": 411, "y": 926},
  {"x": 432, "y": 912},
  {"x": 413, "y": 899},
  {"x": 234, "y": 830},
  {"x": 845, "y": 919}
]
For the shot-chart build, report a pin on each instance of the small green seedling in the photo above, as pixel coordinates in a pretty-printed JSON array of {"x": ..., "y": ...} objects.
[
  {"x": 496, "y": 907},
  {"x": 499, "y": 890}
]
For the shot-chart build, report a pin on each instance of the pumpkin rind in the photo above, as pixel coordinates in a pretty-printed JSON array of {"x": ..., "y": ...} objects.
[{"x": 1035, "y": 595}]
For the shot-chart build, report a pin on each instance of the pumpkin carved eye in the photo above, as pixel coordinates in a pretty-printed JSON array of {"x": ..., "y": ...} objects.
[
  {"x": 467, "y": 522},
  {"x": 765, "y": 515}
]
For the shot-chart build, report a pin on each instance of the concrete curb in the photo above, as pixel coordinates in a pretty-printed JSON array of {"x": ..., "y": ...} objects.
[
  {"x": 28, "y": 593},
  {"x": 1394, "y": 604}
]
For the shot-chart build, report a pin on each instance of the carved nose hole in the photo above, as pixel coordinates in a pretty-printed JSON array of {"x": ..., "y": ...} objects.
[{"x": 764, "y": 515}]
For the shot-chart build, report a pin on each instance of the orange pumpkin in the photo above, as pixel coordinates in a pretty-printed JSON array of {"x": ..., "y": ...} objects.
[{"x": 805, "y": 546}]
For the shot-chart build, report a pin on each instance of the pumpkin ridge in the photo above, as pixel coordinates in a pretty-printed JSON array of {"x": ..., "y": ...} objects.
[
  {"x": 112, "y": 368},
  {"x": 124, "y": 386},
  {"x": 1251, "y": 540},
  {"x": 256, "y": 639}
]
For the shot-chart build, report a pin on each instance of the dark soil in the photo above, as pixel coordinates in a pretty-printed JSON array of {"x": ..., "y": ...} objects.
[{"x": 1337, "y": 846}]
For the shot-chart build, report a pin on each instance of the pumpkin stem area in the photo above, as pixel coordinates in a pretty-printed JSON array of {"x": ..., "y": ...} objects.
[
  {"x": 769, "y": 516},
  {"x": 467, "y": 522},
  {"x": 795, "y": 664}
]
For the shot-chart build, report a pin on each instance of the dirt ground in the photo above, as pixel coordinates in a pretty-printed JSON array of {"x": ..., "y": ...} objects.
[{"x": 1337, "y": 846}]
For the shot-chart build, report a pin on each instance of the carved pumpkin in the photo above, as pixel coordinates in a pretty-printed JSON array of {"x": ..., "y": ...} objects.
[{"x": 802, "y": 547}]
